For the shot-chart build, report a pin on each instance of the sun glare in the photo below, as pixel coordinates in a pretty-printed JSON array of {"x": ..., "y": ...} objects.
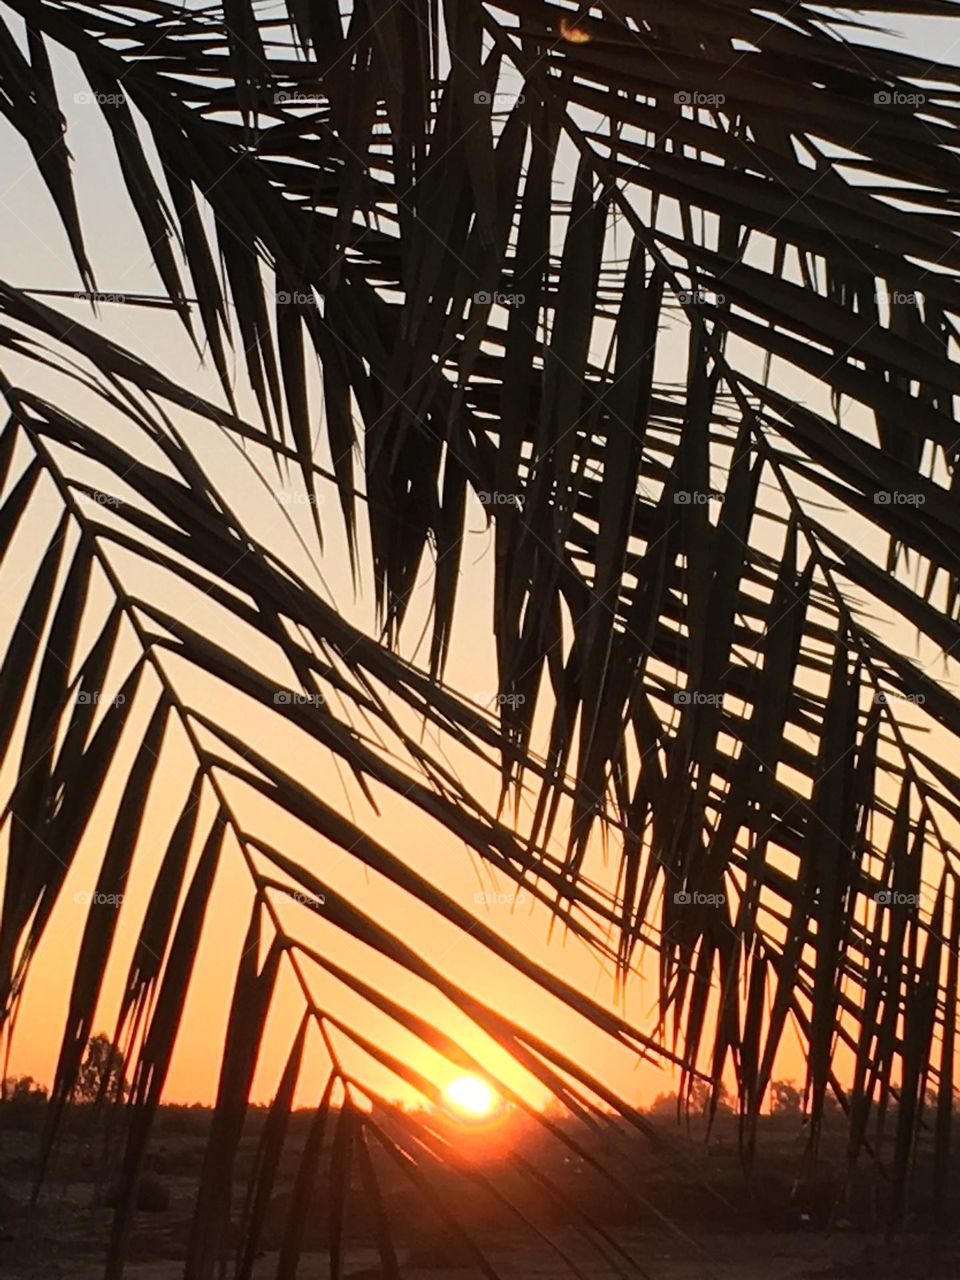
[{"x": 471, "y": 1096}]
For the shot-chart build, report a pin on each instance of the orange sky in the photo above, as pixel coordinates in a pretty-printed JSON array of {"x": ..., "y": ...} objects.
[{"x": 34, "y": 254}]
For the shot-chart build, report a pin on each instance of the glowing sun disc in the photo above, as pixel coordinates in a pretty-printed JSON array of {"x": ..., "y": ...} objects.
[{"x": 471, "y": 1096}]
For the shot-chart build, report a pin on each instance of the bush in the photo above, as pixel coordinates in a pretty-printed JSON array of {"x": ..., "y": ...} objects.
[
  {"x": 153, "y": 1196},
  {"x": 24, "y": 1105},
  {"x": 785, "y": 1099}
]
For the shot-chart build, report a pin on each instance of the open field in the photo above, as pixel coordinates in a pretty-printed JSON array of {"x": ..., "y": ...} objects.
[{"x": 701, "y": 1219}]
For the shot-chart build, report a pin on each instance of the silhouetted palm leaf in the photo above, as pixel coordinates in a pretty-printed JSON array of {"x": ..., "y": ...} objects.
[{"x": 674, "y": 294}]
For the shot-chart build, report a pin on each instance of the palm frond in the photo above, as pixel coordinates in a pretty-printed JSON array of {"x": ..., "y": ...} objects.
[{"x": 675, "y": 298}]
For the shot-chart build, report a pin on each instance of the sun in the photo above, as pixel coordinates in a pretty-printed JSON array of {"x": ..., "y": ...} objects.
[{"x": 471, "y": 1096}]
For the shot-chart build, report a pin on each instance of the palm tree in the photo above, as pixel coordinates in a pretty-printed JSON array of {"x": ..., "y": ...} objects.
[{"x": 672, "y": 293}]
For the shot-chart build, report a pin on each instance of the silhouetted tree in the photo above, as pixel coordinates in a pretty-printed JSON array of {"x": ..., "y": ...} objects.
[
  {"x": 101, "y": 1073},
  {"x": 23, "y": 1090},
  {"x": 785, "y": 1098}
]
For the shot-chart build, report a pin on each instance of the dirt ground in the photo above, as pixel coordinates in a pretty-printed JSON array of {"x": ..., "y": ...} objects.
[
  {"x": 775, "y": 1257},
  {"x": 689, "y": 1232}
]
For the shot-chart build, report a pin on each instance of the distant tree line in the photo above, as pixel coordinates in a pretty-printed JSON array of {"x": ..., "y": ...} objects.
[{"x": 101, "y": 1077}]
